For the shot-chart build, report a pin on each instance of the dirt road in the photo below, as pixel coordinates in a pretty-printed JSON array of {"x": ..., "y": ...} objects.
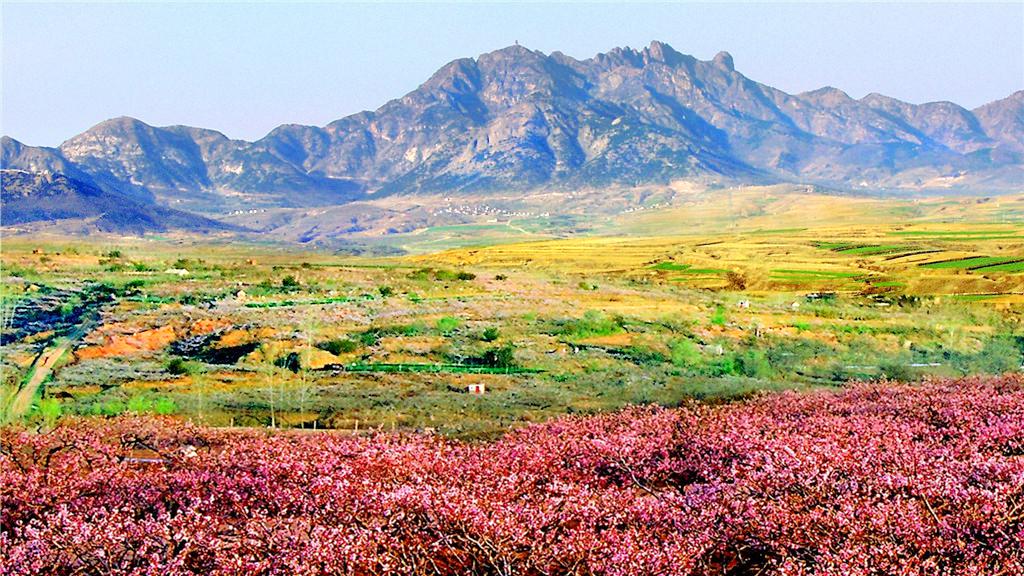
[{"x": 41, "y": 368}]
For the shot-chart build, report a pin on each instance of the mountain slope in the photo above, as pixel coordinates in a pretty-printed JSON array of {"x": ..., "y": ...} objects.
[
  {"x": 1004, "y": 120},
  {"x": 519, "y": 120},
  {"x": 37, "y": 198},
  {"x": 14, "y": 154}
]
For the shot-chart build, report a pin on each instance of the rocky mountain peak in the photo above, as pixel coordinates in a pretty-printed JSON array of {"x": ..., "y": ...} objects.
[
  {"x": 661, "y": 52},
  {"x": 724, "y": 61},
  {"x": 827, "y": 95}
]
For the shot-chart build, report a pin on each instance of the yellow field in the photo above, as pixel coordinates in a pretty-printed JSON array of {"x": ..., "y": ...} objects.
[{"x": 767, "y": 242}]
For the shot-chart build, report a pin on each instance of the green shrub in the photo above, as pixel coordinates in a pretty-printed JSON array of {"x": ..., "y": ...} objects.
[
  {"x": 502, "y": 357},
  {"x": 790, "y": 354},
  {"x": 895, "y": 369},
  {"x": 999, "y": 355},
  {"x": 722, "y": 366},
  {"x": 139, "y": 404},
  {"x": 754, "y": 364},
  {"x": 684, "y": 353},
  {"x": 290, "y": 361},
  {"x": 50, "y": 409},
  {"x": 447, "y": 324},
  {"x": 176, "y": 366},
  {"x": 289, "y": 283},
  {"x": 592, "y": 324},
  {"x": 440, "y": 275},
  {"x": 490, "y": 334},
  {"x": 373, "y": 335},
  {"x": 339, "y": 346},
  {"x": 164, "y": 406},
  {"x": 133, "y": 287},
  {"x": 369, "y": 337},
  {"x": 180, "y": 367},
  {"x": 643, "y": 355},
  {"x": 109, "y": 408},
  {"x": 386, "y": 291},
  {"x": 718, "y": 318}
]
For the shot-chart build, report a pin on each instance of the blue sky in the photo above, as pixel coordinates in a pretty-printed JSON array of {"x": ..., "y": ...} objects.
[{"x": 245, "y": 68}]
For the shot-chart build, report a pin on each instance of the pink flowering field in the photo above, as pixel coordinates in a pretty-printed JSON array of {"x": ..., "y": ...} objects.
[{"x": 879, "y": 479}]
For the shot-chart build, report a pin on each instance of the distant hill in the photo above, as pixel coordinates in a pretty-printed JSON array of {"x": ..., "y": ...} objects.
[
  {"x": 30, "y": 198},
  {"x": 520, "y": 120}
]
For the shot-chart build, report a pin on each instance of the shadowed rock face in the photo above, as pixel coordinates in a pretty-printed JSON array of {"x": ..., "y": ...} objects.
[
  {"x": 517, "y": 119},
  {"x": 38, "y": 197}
]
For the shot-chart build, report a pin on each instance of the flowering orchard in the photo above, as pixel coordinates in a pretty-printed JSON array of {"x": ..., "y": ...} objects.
[{"x": 876, "y": 479}]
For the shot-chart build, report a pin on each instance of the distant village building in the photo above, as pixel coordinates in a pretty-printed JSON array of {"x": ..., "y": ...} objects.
[{"x": 475, "y": 389}]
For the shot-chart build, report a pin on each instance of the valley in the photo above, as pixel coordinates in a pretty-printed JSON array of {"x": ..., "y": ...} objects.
[{"x": 710, "y": 300}]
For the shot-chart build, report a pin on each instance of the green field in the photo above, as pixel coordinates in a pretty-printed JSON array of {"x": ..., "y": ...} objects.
[
  {"x": 1011, "y": 266},
  {"x": 971, "y": 263}
]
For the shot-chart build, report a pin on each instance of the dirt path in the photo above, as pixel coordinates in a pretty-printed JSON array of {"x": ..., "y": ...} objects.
[
  {"x": 517, "y": 228},
  {"x": 41, "y": 368}
]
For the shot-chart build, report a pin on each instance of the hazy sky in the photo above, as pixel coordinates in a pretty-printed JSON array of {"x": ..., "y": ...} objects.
[{"x": 245, "y": 68}]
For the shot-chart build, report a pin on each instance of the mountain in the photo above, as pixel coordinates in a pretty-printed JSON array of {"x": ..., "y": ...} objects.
[
  {"x": 519, "y": 120},
  {"x": 1004, "y": 120},
  {"x": 31, "y": 199},
  {"x": 14, "y": 154},
  {"x": 194, "y": 166}
]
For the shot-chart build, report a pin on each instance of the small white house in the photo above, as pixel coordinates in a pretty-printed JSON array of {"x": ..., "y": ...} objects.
[{"x": 475, "y": 388}]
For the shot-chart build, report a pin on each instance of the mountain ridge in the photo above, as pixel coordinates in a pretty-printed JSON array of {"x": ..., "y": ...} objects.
[
  {"x": 34, "y": 199},
  {"x": 516, "y": 119}
]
